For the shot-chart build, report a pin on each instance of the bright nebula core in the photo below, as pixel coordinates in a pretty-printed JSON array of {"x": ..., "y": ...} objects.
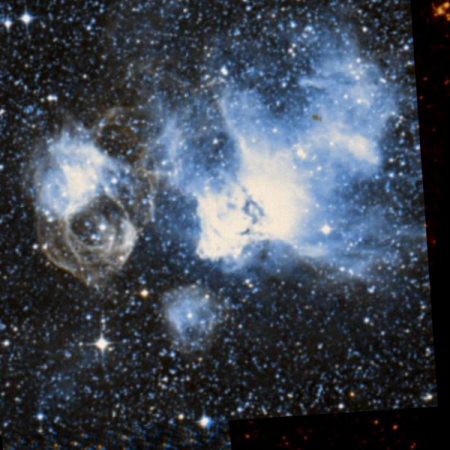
[{"x": 210, "y": 210}]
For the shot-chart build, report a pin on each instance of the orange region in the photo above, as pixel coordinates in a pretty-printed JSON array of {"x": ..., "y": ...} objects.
[{"x": 442, "y": 10}]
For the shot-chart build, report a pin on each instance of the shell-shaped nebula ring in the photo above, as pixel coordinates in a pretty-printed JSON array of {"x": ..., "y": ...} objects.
[{"x": 90, "y": 209}]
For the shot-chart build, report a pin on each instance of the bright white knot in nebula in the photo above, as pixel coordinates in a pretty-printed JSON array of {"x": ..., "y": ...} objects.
[
  {"x": 89, "y": 208},
  {"x": 267, "y": 200},
  {"x": 192, "y": 315}
]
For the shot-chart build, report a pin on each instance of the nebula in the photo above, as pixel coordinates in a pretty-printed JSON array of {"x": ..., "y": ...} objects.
[
  {"x": 289, "y": 175},
  {"x": 191, "y": 313},
  {"x": 89, "y": 206},
  {"x": 236, "y": 230}
]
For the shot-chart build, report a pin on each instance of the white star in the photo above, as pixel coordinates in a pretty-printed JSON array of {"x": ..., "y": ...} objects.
[
  {"x": 26, "y": 18},
  {"x": 326, "y": 229},
  {"x": 8, "y": 24},
  {"x": 102, "y": 344}
]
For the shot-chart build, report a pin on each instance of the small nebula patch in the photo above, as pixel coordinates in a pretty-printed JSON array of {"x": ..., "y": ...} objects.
[{"x": 191, "y": 314}]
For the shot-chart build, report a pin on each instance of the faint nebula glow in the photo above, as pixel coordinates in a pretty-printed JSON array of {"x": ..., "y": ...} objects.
[{"x": 191, "y": 314}]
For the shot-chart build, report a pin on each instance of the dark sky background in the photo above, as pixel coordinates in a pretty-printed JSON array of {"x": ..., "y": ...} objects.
[
  {"x": 88, "y": 56},
  {"x": 366, "y": 430}
]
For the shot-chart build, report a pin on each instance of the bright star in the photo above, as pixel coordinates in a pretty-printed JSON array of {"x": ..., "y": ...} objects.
[
  {"x": 26, "y": 18},
  {"x": 101, "y": 344},
  {"x": 326, "y": 229},
  {"x": 205, "y": 421},
  {"x": 8, "y": 24}
]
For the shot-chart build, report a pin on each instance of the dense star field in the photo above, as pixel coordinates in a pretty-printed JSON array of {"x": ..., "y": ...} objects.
[{"x": 209, "y": 210}]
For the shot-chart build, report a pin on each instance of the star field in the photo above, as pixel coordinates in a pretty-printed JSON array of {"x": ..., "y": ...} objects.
[{"x": 210, "y": 210}]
